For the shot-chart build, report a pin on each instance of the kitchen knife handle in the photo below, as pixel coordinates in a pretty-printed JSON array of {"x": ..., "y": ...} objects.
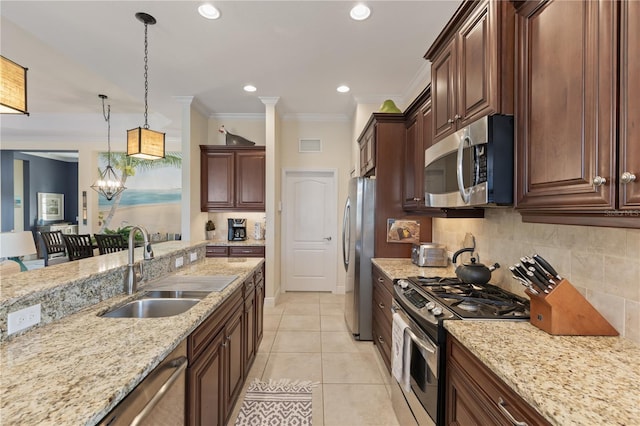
[
  {"x": 546, "y": 265},
  {"x": 518, "y": 273},
  {"x": 539, "y": 275}
]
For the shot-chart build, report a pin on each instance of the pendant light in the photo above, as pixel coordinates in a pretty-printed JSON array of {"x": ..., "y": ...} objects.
[
  {"x": 108, "y": 184},
  {"x": 141, "y": 141},
  {"x": 13, "y": 87}
]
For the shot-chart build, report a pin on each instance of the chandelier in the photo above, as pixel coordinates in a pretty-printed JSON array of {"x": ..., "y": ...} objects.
[
  {"x": 141, "y": 141},
  {"x": 108, "y": 184}
]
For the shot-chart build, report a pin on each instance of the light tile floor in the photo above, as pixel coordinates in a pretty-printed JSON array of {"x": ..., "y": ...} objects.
[{"x": 306, "y": 338}]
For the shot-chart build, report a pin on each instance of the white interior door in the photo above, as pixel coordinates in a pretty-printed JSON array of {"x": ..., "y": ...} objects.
[{"x": 310, "y": 231}]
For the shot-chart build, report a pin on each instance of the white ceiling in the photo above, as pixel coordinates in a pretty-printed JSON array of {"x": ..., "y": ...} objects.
[{"x": 299, "y": 51}]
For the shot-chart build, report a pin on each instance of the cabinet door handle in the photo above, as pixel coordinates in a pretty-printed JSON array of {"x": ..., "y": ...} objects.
[
  {"x": 380, "y": 279},
  {"x": 502, "y": 406},
  {"x": 450, "y": 121},
  {"x": 599, "y": 181},
  {"x": 381, "y": 305},
  {"x": 457, "y": 117},
  {"x": 417, "y": 199},
  {"x": 380, "y": 339},
  {"x": 627, "y": 178}
]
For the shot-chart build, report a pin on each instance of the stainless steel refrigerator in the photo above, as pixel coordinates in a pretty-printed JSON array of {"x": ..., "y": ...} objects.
[{"x": 357, "y": 251}]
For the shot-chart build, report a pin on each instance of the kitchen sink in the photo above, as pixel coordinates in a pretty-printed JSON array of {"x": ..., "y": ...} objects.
[
  {"x": 175, "y": 294},
  {"x": 152, "y": 308}
]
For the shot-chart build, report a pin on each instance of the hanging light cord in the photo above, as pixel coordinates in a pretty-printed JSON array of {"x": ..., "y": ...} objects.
[
  {"x": 107, "y": 118},
  {"x": 146, "y": 75}
]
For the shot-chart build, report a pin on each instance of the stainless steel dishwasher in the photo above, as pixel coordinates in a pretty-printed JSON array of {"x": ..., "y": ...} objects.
[{"x": 159, "y": 400}]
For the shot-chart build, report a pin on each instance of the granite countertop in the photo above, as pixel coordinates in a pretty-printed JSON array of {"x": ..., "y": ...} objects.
[
  {"x": 403, "y": 268},
  {"x": 225, "y": 242},
  {"x": 570, "y": 380},
  {"x": 76, "y": 369}
]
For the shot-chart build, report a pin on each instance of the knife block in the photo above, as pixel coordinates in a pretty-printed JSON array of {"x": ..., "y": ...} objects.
[{"x": 564, "y": 311}]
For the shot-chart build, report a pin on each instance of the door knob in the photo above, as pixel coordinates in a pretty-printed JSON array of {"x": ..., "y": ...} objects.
[
  {"x": 627, "y": 177},
  {"x": 327, "y": 238},
  {"x": 599, "y": 181}
]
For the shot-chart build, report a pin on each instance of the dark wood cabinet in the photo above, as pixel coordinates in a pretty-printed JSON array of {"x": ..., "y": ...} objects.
[
  {"x": 568, "y": 104},
  {"x": 388, "y": 139},
  {"x": 250, "y": 330},
  {"x": 476, "y": 396},
  {"x": 221, "y": 351},
  {"x": 382, "y": 315},
  {"x": 215, "y": 373},
  {"x": 629, "y": 154},
  {"x": 472, "y": 66},
  {"x": 235, "y": 251},
  {"x": 232, "y": 178},
  {"x": 367, "y": 152}
]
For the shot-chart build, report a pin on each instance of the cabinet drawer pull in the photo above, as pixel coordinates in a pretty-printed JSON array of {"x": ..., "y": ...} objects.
[
  {"x": 599, "y": 181},
  {"x": 380, "y": 279},
  {"x": 503, "y": 408},
  {"x": 381, "y": 305},
  {"x": 380, "y": 339},
  {"x": 627, "y": 178}
]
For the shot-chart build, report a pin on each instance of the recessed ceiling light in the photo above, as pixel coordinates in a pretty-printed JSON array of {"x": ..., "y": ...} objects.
[
  {"x": 249, "y": 88},
  {"x": 360, "y": 12},
  {"x": 208, "y": 11},
  {"x": 343, "y": 89}
]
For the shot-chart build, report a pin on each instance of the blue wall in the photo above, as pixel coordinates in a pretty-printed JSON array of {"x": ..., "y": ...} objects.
[{"x": 41, "y": 175}]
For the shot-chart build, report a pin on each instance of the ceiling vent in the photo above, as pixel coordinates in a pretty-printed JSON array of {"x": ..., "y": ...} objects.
[{"x": 310, "y": 145}]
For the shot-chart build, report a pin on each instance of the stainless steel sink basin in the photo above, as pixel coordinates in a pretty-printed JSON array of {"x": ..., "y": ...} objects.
[
  {"x": 175, "y": 294},
  {"x": 152, "y": 308}
]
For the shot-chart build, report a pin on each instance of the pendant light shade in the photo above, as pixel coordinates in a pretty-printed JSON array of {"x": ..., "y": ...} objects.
[
  {"x": 13, "y": 91},
  {"x": 143, "y": 142},
  {"x": 108, "y": 184}
]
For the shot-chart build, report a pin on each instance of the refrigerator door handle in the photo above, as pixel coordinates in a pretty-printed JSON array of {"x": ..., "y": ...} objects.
[{"x": 346, "y": 235}]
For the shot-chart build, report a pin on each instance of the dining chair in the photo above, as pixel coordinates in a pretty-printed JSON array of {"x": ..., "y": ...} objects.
[
  {"x": 53, "y": 248},
  {"x": 78, "y": 246},
  {"x": 110, "y": 243}
]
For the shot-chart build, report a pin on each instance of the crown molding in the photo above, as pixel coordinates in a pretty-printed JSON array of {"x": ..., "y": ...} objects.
[
  {"x": 239, "y": 116},
  {"x": 304, "y": 117}
]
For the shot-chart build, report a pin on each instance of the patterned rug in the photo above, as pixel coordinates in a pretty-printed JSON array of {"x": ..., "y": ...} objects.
[{"x": 276, "y": 403}]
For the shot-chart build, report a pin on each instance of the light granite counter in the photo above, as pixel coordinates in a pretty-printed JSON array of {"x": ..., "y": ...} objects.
[
  {"x": 75, "y": 370},
  {"x": 225, "y": 243},
  {"x": 569, "y": 380},
  {"x": 403, "y": 268}
]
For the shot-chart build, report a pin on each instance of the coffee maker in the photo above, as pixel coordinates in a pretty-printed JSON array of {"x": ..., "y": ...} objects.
[{"x": 237, "y": 229}]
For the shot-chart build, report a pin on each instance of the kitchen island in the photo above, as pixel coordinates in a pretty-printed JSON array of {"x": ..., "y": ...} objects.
[
  {"x": 76, "y": 369},
  {"x": 568, "y": 380}
]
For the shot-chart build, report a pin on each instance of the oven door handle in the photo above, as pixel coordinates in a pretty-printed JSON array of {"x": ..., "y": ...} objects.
[{"x": 420, "y": 341}]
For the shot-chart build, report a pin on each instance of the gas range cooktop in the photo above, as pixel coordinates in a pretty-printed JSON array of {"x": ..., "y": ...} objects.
[{"x": 473, "y": 301}]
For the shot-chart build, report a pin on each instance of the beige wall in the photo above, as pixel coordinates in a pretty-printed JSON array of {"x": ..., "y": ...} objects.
[
  {"x": 251, "y": 129},
  {"x": 336, "y": 154},
  {"x": 602, "y": 263}
]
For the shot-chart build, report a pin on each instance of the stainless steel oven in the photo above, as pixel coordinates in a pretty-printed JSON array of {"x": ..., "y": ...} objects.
[{"x": 422, "y": 398}]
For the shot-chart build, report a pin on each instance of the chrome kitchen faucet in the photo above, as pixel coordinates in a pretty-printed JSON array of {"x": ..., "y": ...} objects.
[{"x": 131, "y": 282}]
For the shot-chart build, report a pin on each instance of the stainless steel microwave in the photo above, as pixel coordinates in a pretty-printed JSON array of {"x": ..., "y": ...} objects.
[{"x": 472, "y": 167}]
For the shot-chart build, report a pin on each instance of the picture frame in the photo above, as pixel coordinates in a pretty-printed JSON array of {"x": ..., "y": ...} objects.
[
  {"x": 50, "y": 206},
  {"x": 403, "y": 231}
]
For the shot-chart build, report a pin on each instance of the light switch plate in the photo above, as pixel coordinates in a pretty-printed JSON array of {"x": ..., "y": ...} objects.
[
  {"x": 179, "y": 261},
  {"x": 193, "y": 257},
  {"x": 24, "y": 318}
]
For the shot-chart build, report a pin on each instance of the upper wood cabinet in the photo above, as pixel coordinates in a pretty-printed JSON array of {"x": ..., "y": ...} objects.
[
  {"x": 570, "y": 156},
  {"x": 232, "y": 178},
  {"x": 472, "y": 66}
]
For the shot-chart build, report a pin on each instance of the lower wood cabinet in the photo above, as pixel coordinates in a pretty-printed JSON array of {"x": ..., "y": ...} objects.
[
  {"x": 476, "y": 396},
  {"x": 235, "y": 251},
  {"x": 382, "y": 316},
  {"x": 221, "y": 351}
]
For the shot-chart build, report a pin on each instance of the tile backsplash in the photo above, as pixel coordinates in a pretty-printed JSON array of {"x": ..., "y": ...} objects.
[{"x": 602, "y": 263}]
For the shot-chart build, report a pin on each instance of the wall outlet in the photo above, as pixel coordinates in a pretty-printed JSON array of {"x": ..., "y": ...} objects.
[
  {"x": 193, "y": 257},
  {"x": 179, "y": 262},
  {"x": 24, "y": 318}
]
